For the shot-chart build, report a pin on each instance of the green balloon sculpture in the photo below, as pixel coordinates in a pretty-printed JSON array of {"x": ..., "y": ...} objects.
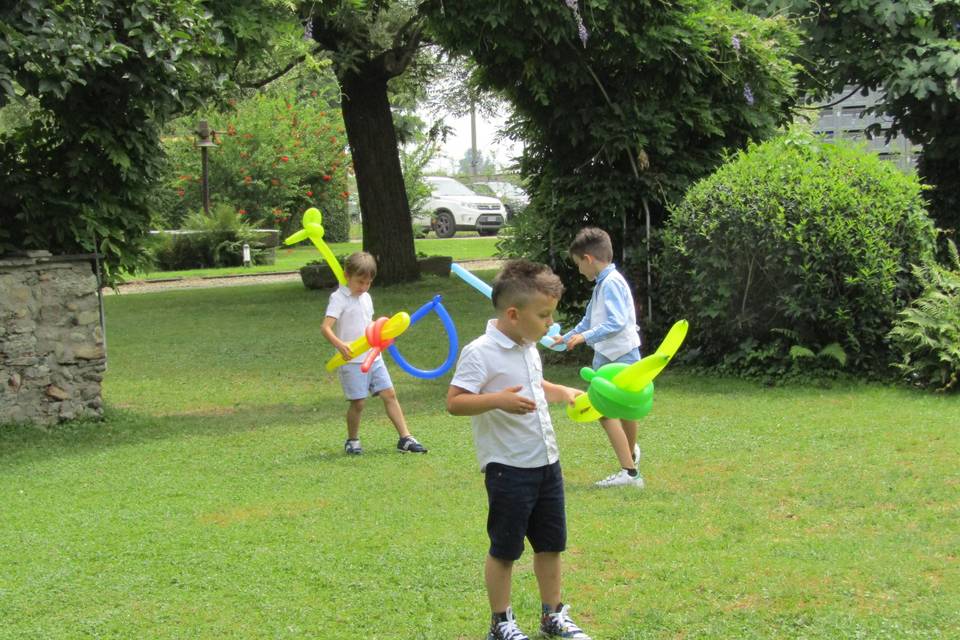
[{"x": 625, "y": 391}]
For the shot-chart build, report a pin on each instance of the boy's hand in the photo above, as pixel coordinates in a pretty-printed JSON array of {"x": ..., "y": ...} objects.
[
  {"x": 344, "y": 350},
  {"x": 574, "y": 340},
  {"x": 511, "y": 401},
  {"x": 571, "y": 394}
]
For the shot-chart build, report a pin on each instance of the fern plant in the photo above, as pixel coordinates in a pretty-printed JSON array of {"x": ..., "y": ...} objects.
[{"x": 927, "y": 333}]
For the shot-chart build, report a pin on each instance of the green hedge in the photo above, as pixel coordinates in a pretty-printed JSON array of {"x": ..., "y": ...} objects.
[{"x": 795, "y": 247}]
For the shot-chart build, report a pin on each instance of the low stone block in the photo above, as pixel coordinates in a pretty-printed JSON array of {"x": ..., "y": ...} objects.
[
  {"x": 88, "y": 352},
  {"x": 55, "y": 392}
]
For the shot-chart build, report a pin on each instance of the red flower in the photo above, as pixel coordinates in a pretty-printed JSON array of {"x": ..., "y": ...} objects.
[
  {"x": 242, "y": 212},
  {"x": 247, "y": 179},
  {"x": 284, "y": 158},
  {"x": 345, "y": 194},
  {"x": 309, "y": 194},
  {"x": 327, "y": 178}
]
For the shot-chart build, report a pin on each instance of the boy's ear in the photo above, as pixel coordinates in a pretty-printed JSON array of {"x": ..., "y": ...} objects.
[{"x": 512, "y": 313}]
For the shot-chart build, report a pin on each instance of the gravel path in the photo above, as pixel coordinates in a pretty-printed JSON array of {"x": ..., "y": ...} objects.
[{"x": 147, "y": 286}]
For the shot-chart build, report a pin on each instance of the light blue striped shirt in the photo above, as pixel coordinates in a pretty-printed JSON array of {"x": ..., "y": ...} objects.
[{"x": 618, "y": 301}]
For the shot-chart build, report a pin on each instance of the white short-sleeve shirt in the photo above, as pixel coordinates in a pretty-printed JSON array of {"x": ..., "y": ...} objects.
[
  {"x": 492, "y": 363},
  {"x": 353, "y": 314}
]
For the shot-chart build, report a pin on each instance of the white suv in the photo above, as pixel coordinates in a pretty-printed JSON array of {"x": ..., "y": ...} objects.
[{"x": 453, "y": 207}]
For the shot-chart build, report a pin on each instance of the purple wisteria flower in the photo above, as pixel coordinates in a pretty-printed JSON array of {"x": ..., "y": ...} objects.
[
  {"x": 582, "y": 32},
  {"x": 735, "y": 42},
  {"x": 748, "y": 94},
  {"x": 574, "y": 6}
]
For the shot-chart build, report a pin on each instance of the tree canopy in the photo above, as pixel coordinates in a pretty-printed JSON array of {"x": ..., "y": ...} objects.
[
  {"x": 620, "y": 103},
  {"x": 99, "y": 80}
]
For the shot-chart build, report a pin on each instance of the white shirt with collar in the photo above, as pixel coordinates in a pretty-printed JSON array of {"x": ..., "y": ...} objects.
[
  {"x": 353, "y": 314},
  {"x": 494, "y": 362}
]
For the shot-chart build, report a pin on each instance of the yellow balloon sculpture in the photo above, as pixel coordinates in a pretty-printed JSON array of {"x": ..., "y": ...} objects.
[
  {"x": 625, "y": 391},
  {"x": 313, "y": 229},
  {"x": 390, "y": 329}
]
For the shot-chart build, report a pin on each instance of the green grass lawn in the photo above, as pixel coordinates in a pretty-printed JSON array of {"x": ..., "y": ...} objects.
[
  {"x": 215, "y": 500},
  {"x": 292, "y": 258}
]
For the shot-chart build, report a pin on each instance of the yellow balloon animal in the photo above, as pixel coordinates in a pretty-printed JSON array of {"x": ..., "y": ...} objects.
[
  {"x": 313, "y": 229},
  {"x": 624, "y": 391}
]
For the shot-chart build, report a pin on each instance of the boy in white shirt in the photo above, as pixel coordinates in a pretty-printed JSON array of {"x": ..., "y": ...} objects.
[
  {"x": 349, "y": 312},
  {"x": 610, "y": 327},
  {"x": 499, "y": 382}
]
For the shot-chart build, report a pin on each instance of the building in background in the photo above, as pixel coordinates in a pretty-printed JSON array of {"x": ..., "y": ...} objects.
[{"x": 845, "y": 120}]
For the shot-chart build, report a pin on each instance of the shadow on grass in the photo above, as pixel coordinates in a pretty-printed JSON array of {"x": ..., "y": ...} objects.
[{"x": 21, "y": 444}]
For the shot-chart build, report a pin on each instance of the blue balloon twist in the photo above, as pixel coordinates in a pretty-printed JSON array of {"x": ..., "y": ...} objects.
[{"x": 435, "y": 305}]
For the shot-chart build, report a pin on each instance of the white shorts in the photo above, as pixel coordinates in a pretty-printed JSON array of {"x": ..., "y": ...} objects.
[{"x": 357, "y": 385}]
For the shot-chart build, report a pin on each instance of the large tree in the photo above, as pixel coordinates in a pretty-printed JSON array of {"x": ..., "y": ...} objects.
[
  {"x": 906, "y": 50},
  {"x": 370, "y": 44}
]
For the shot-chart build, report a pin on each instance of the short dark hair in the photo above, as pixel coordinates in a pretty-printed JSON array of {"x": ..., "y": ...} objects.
[
  {"x": 594, "y": 242},
  {"x": 361, "y": 264},
  {"x": 520, "y": 279}
]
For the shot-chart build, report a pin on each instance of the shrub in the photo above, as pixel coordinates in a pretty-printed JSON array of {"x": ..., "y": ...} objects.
[
  {"x": 210, "y": 241},
  {"x": 795, "y": 242},
  {"x": 278, "y": 154},
  {"x": 927, "y": 334}
]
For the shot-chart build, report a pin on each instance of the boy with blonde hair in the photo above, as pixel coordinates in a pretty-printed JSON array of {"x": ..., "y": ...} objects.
[
  {"x": 349, "y": 312},
  {"x": 499, "y": 383},
  {"x": 610, "y": 327}
]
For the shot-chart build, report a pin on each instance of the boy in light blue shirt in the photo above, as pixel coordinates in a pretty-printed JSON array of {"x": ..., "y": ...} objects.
[{"x": 610, "y": 327}]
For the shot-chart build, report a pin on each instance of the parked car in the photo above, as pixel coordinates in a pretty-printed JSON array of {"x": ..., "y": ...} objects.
[
  {"x": 454, "y": 207},
  {"x": 514, "y": 198}
]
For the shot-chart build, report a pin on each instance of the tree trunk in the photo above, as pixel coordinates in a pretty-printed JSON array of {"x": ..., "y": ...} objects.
[{"x": 387, "y": 226}]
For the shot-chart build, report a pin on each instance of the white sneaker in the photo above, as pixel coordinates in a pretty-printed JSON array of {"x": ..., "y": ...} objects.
[
  {"x": 636, "y": 455},
  {"x": 621, "y": 479}
]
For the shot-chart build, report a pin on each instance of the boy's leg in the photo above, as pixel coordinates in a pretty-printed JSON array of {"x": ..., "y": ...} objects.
[
  {"x": 381, "y": 385},
  {"x": 618, "y": 439},
  {"x": 630, "y": 431},
  {"x": 628, "y": 474},
  {"x": 394, "y": 412},
  {"x": 497, "y": 574},
  {"x": 353, "y": 419},
  {"x": 546, "y": 566}
]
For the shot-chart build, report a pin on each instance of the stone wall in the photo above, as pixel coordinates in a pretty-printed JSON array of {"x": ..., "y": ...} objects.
[{"x": 52, "y": 354}]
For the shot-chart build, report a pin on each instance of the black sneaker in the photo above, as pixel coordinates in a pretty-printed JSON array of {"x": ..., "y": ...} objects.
[
  {"x": 506, "y": 629},
  {"x": 410, "y": 445},
  {"x": 557, "y": 624},
  {"x": 352, "y": 447}
]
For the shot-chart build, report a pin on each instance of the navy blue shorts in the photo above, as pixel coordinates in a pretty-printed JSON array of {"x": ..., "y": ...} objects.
[{"x": 525, "y": 503}]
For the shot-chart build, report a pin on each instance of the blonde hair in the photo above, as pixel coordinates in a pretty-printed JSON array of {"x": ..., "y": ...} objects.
[
  {"x": 360, "y": 264},
  {"x": 520, "y": 279}
]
